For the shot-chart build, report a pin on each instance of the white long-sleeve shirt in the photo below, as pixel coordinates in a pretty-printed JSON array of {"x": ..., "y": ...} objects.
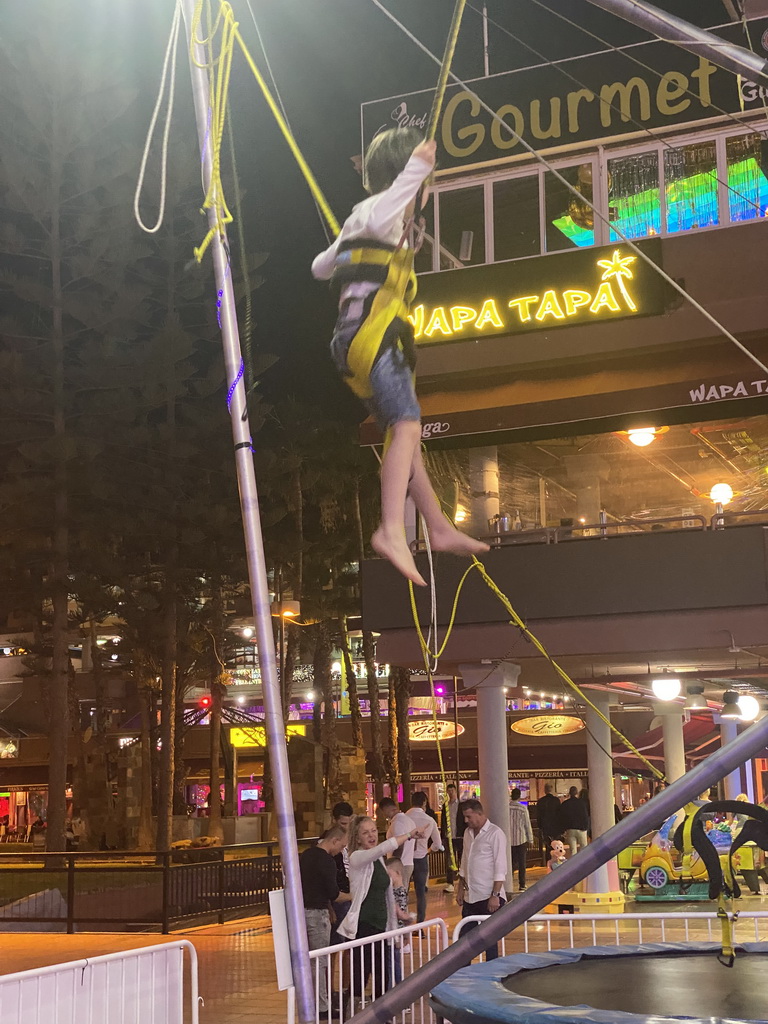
[
  {"x": 361, "y": 864},
  {"x": 428, "y": 826},
  {"x": 380, "y": 217},
  {"x": 483, "y": 862},
  {"x": 520, "y": 830},
  {"x": 400, "y": 825}
]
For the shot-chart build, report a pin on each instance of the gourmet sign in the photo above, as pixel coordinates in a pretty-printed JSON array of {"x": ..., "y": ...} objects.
[{"x": 578, "y": 100}]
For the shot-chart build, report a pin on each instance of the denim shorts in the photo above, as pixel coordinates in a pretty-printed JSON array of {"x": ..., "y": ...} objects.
[{"x": 393, "y": 395}]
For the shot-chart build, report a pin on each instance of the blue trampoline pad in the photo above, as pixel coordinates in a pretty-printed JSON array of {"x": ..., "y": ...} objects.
[{"x": 646, "y": 984}]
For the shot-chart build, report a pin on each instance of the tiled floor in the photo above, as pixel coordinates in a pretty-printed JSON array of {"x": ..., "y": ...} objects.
[{"x": 237, "y": 968}]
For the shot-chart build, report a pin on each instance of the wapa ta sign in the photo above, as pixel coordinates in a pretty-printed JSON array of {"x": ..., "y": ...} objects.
[{"x": 608, "y": 283}]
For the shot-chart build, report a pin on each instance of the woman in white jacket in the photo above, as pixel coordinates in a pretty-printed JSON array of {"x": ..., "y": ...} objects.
[{"x": 373, "y": 905}]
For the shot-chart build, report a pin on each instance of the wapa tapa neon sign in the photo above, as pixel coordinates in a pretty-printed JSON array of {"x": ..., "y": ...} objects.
[{"x": 611, "y": 296}]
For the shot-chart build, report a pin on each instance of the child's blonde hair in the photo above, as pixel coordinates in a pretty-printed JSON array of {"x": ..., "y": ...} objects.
[{"x": 387, "y": 155}]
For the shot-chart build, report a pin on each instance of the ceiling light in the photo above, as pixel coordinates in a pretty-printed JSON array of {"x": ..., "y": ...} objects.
[
  {"x": 721, "y": 494},
  {"x": 336, "y": 666},
  {"x": 461, "y": 515},
  {"x": 241, "y": 700},
  {"x": 731, "y": 710},
  {"x": 248, "y": 632},
  {"x": 311, "y": 695},
  {"x": 642, "y": 436},
  {"x": 750, "y": 707},
  {"x": 666, "y": 689},
  {"x": 696, "y": 701}
]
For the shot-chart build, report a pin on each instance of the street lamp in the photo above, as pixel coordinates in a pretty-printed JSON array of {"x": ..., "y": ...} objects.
[
  {"x": 731, "y": 709},
  {"x": 666, "y": 689},
  {"x": 750, "y": 707}
]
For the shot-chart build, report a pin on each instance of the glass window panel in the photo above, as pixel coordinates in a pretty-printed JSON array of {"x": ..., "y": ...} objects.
[
  {"x": 423, "y": 260},
  {"x": 516, "y": 229},
  {"x": 462, "y": 227},
  {"x": 634, "y": 199},
  {"x": 747, "y": 160},
  {"x": 690, "y": 186},
  {"x": 570, "y": 222}
]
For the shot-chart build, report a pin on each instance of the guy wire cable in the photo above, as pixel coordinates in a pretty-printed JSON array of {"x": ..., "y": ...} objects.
[
  {"x": 558, "y": 65},
  {"x": 571, "y": 188}
]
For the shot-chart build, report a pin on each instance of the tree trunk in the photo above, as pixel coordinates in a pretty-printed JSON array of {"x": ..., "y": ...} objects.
[
  {"x": 355, "y": 714},
  {"x": 324, "y": 681},
  {"x": 215, "y": 827},
  {"x": 167, "y": 720},
  {"x": 402, "y": 681},
  {"x": 146, "y": 701},
  {"x": 377, "y": 753},
  {"x": 392, "y": 735},
  {"x": 59, "y": 694}
]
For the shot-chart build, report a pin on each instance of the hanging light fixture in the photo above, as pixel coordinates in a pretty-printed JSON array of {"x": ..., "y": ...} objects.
[
  {"x": 750, "y": 707},
  {"x": 731, "y": 710},
  {"x": 666, "y": 689},
  {"x": 643, "y": 436},
  {"x": 695, "y": 701}
]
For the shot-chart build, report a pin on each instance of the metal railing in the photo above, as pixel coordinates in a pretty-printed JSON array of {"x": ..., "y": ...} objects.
[
  {"x": 606, "y": 529},
  {"x": 145, "y": 984},
  {"x": 136, "y": 891},
  {"x": 570, "y": 931},
  {"x": 341, "y": 971}
]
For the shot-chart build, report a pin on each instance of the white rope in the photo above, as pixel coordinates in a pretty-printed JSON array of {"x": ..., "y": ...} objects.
[
  {"x": 170, "y": 58},
  {"x": 553, "y": 170}
]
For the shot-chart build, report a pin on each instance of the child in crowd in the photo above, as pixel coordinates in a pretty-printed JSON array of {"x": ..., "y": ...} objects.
[
  {"x": 397, "y": 164},
  {"x": 400, "y": 893}
]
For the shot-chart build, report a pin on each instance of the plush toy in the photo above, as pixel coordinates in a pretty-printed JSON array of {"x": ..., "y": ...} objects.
[{"x": 558, "y": 855}]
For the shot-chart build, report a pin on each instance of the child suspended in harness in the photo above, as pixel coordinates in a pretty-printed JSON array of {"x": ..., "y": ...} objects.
[{"x": 373, "y": 346}]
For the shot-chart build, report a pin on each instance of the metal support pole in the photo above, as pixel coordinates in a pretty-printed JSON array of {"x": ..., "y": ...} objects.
[
  {"x": 456, "y": 733},
  {"x": 547, "y": 889},
  {"x": 257, "y": 572},
  {"x": 671, "y": 29}
]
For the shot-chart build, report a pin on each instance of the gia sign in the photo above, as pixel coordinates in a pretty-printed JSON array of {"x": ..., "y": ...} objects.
[
  {"x": 429, "y": 730},
  {"x": 547, "y": 725}
]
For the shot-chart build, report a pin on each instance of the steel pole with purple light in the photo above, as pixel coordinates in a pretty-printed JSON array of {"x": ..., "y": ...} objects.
[
  {"x": 257, "y": 572},
  {"x": 599, "y": 852}
]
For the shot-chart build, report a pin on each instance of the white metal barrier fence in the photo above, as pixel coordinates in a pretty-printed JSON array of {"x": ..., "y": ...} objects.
[
  {"x": 567, "y": 931},
  {"x": 141, "y": 986},
  {"x": 341, "y": 972}
]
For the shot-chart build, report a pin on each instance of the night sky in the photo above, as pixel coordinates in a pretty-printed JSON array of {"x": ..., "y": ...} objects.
[{"x": 328, "y": 56}]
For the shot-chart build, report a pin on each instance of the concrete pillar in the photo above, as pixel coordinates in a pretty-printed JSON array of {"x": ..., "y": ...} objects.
[
  {"x": 731, "y": 783},
  {"x": 674, "y": 745},
  {"x": 489, "y": 681},
  {"x": 484, "y": 487},
  {"x": 601, "y": 795}
]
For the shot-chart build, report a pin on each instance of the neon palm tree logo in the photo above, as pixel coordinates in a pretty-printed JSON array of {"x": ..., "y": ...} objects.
[{"x": 616, "y": 269}]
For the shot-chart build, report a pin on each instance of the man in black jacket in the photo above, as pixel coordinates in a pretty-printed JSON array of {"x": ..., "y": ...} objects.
[
  {"x": 574, "y": 820},
  {"x": 320, "y": 887},
  {"x": 548, "y": 817}
]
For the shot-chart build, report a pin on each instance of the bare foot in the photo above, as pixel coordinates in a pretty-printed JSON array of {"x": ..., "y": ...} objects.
[
  {"x": 395, "y": 548},
  {"x": 456, "y": 542}
]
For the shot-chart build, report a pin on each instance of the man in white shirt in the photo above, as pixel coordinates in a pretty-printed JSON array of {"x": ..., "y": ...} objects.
[
  {"x": 429, "y": 832},
  {"x": 483, "y": 868},
  {"x": 520, "y": 834},
  {"x": 399, "y": 824}
]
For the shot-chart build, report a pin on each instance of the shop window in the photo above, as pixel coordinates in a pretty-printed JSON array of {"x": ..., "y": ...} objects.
[
  {"x": 747, "y": 162},
  {"x": 516, "y": 227},
  {"x": 462, "y": 227},
  {"x": 570, "y": 222},
  {"x": 634, "y": 200},
  {"x": 690, "y": 186}
]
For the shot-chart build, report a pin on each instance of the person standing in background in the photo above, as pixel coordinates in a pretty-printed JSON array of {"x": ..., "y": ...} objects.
[
  {"x": 398, "y": 824},
  {"x": 450, "y": 812},
  {"x": 483, "y": 868},
  {"x": 520, "y": 833},
  {"x": 318, "y": 882},
  {"x": 548, "y": 817},
  {"x": 574, "y": 821},
  {"x": 429, "y": 832}
]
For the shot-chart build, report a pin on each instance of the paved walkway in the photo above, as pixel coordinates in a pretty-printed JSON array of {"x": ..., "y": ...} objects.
[{"x": 237, "y": 968}]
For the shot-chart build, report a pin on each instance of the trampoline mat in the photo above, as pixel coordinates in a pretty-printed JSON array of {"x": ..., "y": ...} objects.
[{"x": 689, "y": 985}]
